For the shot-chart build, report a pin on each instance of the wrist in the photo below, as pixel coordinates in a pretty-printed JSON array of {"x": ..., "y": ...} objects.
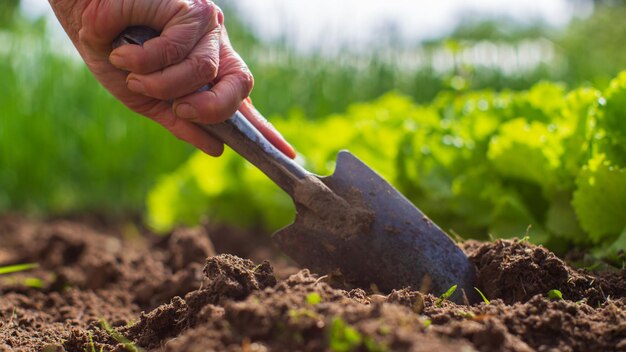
[{"x": 69, "y": 14}]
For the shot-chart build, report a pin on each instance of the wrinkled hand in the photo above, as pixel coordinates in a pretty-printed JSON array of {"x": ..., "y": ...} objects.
[{"x": 159, "y": 79}]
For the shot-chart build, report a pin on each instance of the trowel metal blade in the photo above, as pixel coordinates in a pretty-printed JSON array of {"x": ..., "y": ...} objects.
[{"x": 402, "y": 247}]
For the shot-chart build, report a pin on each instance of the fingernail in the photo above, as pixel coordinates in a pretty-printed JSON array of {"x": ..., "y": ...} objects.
[
  {"x": 186, "y": 111},
  {"x": 118, "y": 61},
  {"x": 136, "y": 86}
]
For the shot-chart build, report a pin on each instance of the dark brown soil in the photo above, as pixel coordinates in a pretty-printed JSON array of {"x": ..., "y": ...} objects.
[{"x": 118, "y": 288}]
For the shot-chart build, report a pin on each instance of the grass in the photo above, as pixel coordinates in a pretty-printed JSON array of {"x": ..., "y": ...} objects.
[
  {"x": 482, "y": 295},
  {"x": 92, "y": 345},
  {"x": 445, "y": 295},
  {"x": 32, "y": 282},
  {"x": 66, "y": 144},
  {"x": 128, "y": 345},
  {"x": 10, "y": 269}
]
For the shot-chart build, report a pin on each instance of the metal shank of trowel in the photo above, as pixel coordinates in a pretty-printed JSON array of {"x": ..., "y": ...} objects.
[{"x": 237, "y": 132}]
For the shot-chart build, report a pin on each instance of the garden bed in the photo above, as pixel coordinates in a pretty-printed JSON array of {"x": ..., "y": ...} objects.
[{"x": 116, "y": 288}]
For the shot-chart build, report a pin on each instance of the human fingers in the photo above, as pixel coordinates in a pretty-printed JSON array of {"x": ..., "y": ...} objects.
[
  {"x": 266, "y": 128},
  {"x": 176, "y": 41},
  {"x": 233, "y": 84},
  {"x": 103, "y": 20},
  {"x": 198, "y": 69},
  {"x": 190, "y": 133},
  {"x": 181, "y": 24}
]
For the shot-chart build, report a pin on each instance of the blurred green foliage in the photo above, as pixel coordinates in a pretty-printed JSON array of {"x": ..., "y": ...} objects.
[
  {"x": 318, "y": 85},
  {"x": 594, "y": 46},
  {"x": 65, "y": 143},
  {"x": 8, "y": 12},
  {"x": 478, "y": 163}
]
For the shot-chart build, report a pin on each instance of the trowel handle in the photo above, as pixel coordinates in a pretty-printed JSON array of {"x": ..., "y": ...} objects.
[{"x": 237, "y": 132}]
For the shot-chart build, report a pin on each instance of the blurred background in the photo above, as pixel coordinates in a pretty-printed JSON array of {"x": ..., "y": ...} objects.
[{"x": 390, "y": 80}]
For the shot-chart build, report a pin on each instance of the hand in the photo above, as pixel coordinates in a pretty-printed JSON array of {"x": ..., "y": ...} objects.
[{"x": 192, "y": 50}]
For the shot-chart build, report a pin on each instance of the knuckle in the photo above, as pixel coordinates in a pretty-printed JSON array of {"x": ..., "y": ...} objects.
[
  {"x": 247, "y": 80},
  {"x": 206, "y": 68},
  {"x": 137, "y": 63},
  {"x": 159, "y": 90},
  {"x": 208, "y": 7},
  {"x": 172, "y": 53},
  {"x": 204, "y": 10},
  {"x": 85, "y": 36}
]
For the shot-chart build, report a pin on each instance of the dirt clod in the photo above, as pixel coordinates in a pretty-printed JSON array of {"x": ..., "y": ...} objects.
[{"x": 516, "y": 271}]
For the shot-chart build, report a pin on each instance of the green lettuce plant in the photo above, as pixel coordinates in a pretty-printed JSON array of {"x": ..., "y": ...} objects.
[{"x": 478, "y": 163}]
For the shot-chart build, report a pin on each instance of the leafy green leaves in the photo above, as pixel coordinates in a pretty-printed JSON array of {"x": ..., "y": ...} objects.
[
  {"x": 600, "y": 199},
  {"x": 615, "y": 111},
  {"x": 530, "y": 151}
]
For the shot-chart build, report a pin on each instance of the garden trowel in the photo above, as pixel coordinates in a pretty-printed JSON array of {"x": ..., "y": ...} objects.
[{"x": 352, "y": 224}]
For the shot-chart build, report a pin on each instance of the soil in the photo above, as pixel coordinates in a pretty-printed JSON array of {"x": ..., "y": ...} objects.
[{"x": 117, "y": 288}]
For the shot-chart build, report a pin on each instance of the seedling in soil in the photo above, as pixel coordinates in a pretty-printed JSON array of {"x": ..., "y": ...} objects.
[
  {"x": 33, "y": 282},
  {"x": 482, "y": 295},
  {"x": 468, "y": 315},
  {"x": 92, "y": 346},
  {"x": 128, "y": 345},
  {"x": 555, "y": 295},
  {"x": 526, "y": 238},
  {"x": 445, "y": 296},
  {"x": 313, "y": 298},
  {"x": 10, "y": 269},
  {"x": 343, "y": 337},
  {"x": 300, "y": 313},
  {"x": 427, "y": 323}
]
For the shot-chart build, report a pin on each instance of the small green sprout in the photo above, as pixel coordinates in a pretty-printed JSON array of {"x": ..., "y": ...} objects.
[
  {"x": 482, "y": 295},
  {"x": 313, "y": 298},
  {"x": 300, "y": 313},
  {"x": 555, "y": 295},
  {"x": 10, "y": 269},
  {"x": 128, "y": 345},
  {"x": 445, "y": 296},
  {"x": 92, "y": 345},
  {"x": 342, "y": 337},
  {"x": 428, "y": 323},
  {"x": 467, "y": 315},
  {"x": 526, "y": 238},
  {"x": 33, "y": 282}
]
